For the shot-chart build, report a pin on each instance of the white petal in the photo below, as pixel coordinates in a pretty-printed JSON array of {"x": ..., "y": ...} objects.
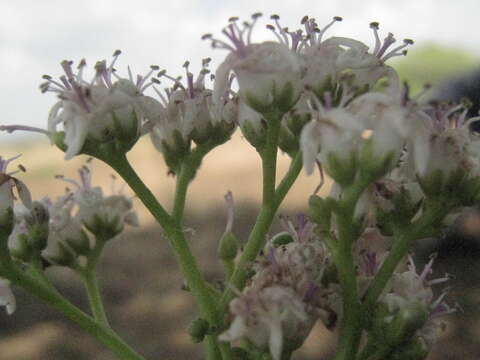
[
  {"x": 7, "y": 298},
  {"x": 275, "y": 341},
  {"x": 23, "y": 193},
  {"x": 221, "y": 80},
  {"x": 76, "y": 134},
  {"x": 309, "y": 144},
  {"x": 236, "y": 331}
]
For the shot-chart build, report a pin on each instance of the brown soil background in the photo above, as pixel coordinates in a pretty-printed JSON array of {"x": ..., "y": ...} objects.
[{"x": 141, "y": 282}]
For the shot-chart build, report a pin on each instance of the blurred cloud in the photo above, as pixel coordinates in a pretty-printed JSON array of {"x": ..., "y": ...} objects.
[{"x": 36, "y": 35}]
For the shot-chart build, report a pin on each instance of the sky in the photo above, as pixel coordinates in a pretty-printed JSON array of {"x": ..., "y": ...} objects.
[{"x": 35, "y": 36}]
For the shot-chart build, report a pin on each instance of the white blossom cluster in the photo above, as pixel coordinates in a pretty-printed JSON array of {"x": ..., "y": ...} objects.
[
  {"x": 294, "y": 286},
  {"x": 336, "y": 102},
  {"x": 56, "y": 231},
  {"x": 286, "y": 295}
]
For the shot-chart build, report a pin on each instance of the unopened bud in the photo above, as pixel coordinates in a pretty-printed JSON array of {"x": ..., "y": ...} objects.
[
  {"x": 281, "y": 239},
  {"x": 198, "y": 329},
  {"x": 405, "y": 323},
  {"x": 228, "y": 246},
  {"x": 37, "y": 221},
  {"x": 341, "y": 169}
]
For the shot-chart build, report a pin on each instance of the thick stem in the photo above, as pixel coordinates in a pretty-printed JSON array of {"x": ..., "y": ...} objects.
[
  {"x": 257, "y": 238},
  {"x": 196, "y": 282},
  {"x": 269, "y": 158},
  {"x": 350, "y": 327},
  {"x": 95, "y": 298},
  {"x": 102, "y": 333}
]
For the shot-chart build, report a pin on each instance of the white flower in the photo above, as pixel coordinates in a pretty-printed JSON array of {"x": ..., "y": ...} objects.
[
  {"x": 269, "y": 318},
  {"x": 391, "y": 118},
  {"x": 112, "y": 211},
  {"x": 263, "y": 70},
  {"x": 410, "y": 288},
  {"x": 7, "y": 298},
  {"x": 64, "y": 230},
  {"x": 186, "y": 113},
  {"x": 319, "y": 58},
  {"x": 333, "y": 130},
  {"x": 95, "y": 109},
  {"x": 285, "y": 297},
  {"x": 444, "y": 141},
  {"x": 367, "y": 67}
]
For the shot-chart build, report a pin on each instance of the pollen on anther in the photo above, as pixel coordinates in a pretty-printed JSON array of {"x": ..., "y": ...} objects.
[
  {"x": 337, "y": 18},
  {"x": 374, "y": 25}
]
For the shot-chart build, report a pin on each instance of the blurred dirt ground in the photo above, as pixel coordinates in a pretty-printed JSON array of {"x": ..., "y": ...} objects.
[{"x": 140, "y": 280}]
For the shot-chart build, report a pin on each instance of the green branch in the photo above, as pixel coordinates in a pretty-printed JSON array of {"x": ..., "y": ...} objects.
[
  {"x": 104, "y": 334},
  {"x": 174, "y": 233}
]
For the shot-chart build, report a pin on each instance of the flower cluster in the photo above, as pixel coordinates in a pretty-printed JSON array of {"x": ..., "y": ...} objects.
[
  {"x": 286, "y": 296},
  {"x": 399, "y": 164},
  {"x": 100, "y": 109},
  {"x": 56, "y": 230}
]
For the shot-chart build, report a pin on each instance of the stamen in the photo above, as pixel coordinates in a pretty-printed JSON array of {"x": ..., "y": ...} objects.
[
  {"x": 389, "y": 40},
  {"x": 70, "y": 181},
  {"x": 230, "y": 211},
  {"x": 326, "y": 27},
  {"x": 375, "y": 26},
  {"x": 11, "y": 128}
]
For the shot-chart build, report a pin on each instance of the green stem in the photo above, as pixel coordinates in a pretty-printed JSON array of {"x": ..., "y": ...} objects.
[
  {"x": 229, "y": 268},
  {"x": 121, "y": 165},
  {"x": 269, "y": 158},
  {"x": 257, "y": 238},
  {"x": 195, "y": 280},
  {"x": 95, "y": 298},
  {"x": 54, "y": 299},
  {"x": 289, "y": 179},
  {"x": 350, "y": 327},
  {"x": 181, "y": 187},
  {"x": 89, "y": 277},
  {"x": 186, "y": 174},
  {"x": 403, "y": 243}
]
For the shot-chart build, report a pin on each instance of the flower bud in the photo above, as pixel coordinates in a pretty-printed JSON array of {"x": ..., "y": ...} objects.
[
  {"x": 38, "y": 224},
  {"x": 282, "y": 238},
  {"x": 198, "y": 329},
  {"x": 228, "y": 247},
  {"x": 405, "y": 323},
  {"x": 374, "y": 163}
]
